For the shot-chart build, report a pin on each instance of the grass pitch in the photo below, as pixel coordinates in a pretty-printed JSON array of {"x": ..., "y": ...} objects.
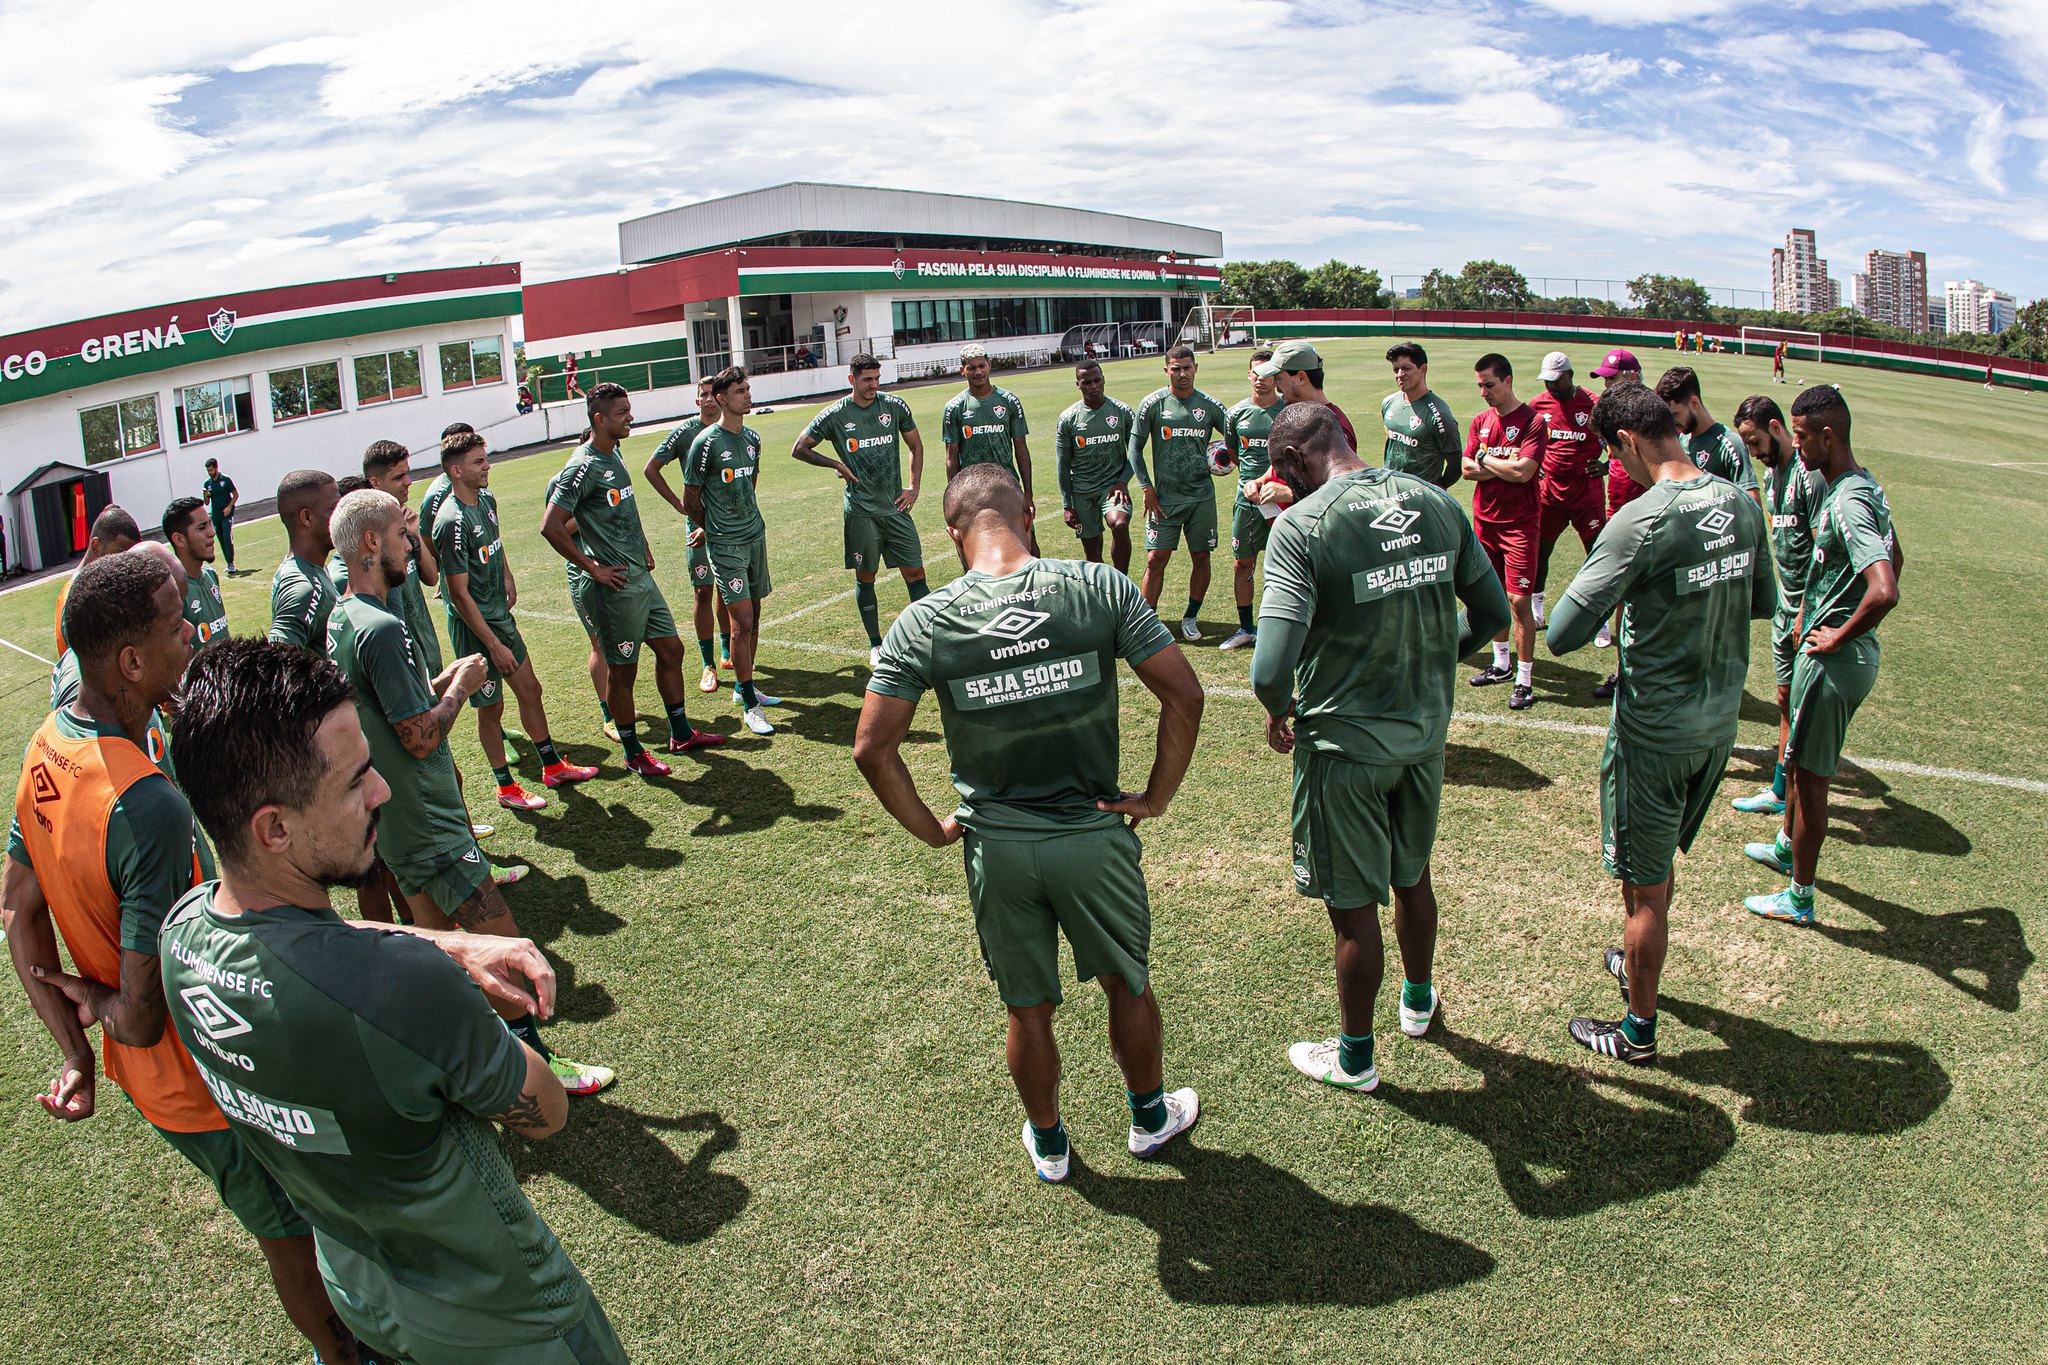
[{"x": 812, "y": 1149}]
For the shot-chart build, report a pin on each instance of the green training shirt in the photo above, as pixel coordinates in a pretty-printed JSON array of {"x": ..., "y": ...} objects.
[
  {"x": 1091, "y": 450},
  {"x": 676, "y": 443},
  {"x": 356, "y": 1064},
  {"x": 204, "y": 608},
  {"x": 1245, "y": 428},
  {"x": 725, "y": 464},
  {"x": 1025, "y": 670},
  {"x": 1371, "y": 563},
  {"x": 156, "y": 744},
  {"x": 596, "y": 490},
  {"x": 1852, "y": 530},
  {"x": 1792, "y": 494},
  {"x": 1178, "y": 432},
  {"x": 1422, "y": 437},
  {"x": 984, "y": 428},
  {"x": 218, "y": 491},
  {"x": 412, "y": 599},
  {"x": 868, "y": 440},
  {"x": 301, "y": 596},
  {"x": 1721, "y": 453},
  {"x": 1684, "y": 561},
  {"x": 425, "y": 817},
  {"x": 466, "y": 541},
  {"x": 431, "y": 500}
]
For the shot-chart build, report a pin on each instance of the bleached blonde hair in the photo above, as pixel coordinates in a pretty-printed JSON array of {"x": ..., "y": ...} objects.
[{"x": 358, "y": 514}]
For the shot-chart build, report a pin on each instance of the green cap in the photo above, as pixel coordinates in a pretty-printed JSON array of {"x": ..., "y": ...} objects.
[{"x": 1290, "y": 355}]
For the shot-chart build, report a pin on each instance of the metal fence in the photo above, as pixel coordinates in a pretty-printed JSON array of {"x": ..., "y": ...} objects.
[
  {"x": 1579, "y": 287},
  {"x": 674, "y": 371}
]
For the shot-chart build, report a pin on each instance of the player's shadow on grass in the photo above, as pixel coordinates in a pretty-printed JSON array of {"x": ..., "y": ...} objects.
[
  {"x": 1566, "y": 685},
  {"x": 741, "y": 798},
  {"x": 618, "y": 1158},
  {"x": 1235, "y": 1230},
  {"x": 1566, "y": 1140},
  {"x": 544, "y": 906},
  {"x": 1806, "y": 1085},
  {"x": 1987, "y": 942},
  {"x": 1465, "y": 766},
  {"x": 603, "y": 836},
  {"x": 817, "y": 712},
  {"x": 1893, "y": 824}
]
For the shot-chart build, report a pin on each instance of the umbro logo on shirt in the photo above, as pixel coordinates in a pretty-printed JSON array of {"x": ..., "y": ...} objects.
[
  {"x": 1014, "y": 623},
  {"x": 1716, "y": 521},
  {"x": 213, "y": 1014},
  {"x": 1395, "y": 519}
]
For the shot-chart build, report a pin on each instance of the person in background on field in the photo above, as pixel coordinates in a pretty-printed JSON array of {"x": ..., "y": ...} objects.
[
  {"x": 711, "y": 610},
  {"x": 1177, "y": 421},
  {"x": 221, "y": 499},
  {"x": 1618, "y": 367},
  {"x": 1568, "y": 491},
  {"x": 1712, "y": 446},
  {"x": 569, "y": 377},
  {"x": 1422, "y": 435},
  {"x": 1503, "y": 455},
  {"x": 1778, "y": 363},
  {"x": 1245, "y": 428},
  {"x": 189, "y": 532},
  {"x": 720, "y": 475},
  {"x": 301, "y": 593},
  {"x": 113, "y": 531},
  {"x": 986, "y": 423},
  {"x": 1092, "y": 461}
]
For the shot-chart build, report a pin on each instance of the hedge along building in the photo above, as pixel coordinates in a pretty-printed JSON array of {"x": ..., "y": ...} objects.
[
  {"x": 129, "y": 407},
  {"x": 791, "y": 281}
]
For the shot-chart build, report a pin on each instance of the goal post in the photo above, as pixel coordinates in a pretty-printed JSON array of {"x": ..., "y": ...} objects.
[
  {"x": 1208, "y": 328},
  {"x": 1798, "y": 345}
]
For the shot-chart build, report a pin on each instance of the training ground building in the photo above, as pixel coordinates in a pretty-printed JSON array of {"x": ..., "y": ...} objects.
[
  {"x": 129, "y": 407},
  {"x": 792, "y": 281}
]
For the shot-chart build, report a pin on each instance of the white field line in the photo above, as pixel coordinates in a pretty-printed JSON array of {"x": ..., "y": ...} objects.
[
  {"x": 31, "y": 653},
  {"x": 805, "y": 611}
]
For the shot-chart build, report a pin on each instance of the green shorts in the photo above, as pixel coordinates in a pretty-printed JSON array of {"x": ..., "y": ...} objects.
[
  {"x": 742, "y": 569},
  {"x": 875, "y": 542},
  {"x": 449, "y": 878},
  {"x": 1198, "y": 519},
  {"x": 1651, "y": 806},
  {"x": 1362, "y": 828},
  {"x": 622, "y": 621},
  {"x": 1092, "y": 507},
  {"x": 699, "y": 559},
  {"x": 1249, "y": 529},
  {"x": 1027, "y": 892},
  {"x": 258, "y": 1202},
  {"x": 1826, "y": 690},
  {"x": 1784, "y": 647},
  {"x": 464, "y": 642},
  {"x": 590, "y": 1342}
]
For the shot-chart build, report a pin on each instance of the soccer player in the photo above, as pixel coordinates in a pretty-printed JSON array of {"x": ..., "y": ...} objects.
[
  {"x": 1422, "y": 436},
  {"x": 101, "y": 848},
  {"x": 387, "y": 466},
  {"x": 1176, "y": 421},
  {"x": 425, "y": 839},
  {"x": 1297, "y": 374},
  {"x": 113, "y": 531},
  {"x": 986, "y": 423},
  {"x": 1686, "y": 563},
  {"x": 710, "y": 606},
  {"x": 1503, "y": 454},
  {"x": 1792, "y": 494},
  {"x": 1852, "y": 582},
  {"x": 1359, "y": 642},
  {"x": 1092, "y": 449},
  {"x": 600, "y": 672},
  {"x": 1712, "y": 446},
  {"x": 189, "y": 532},
  {"x": 1778, "y": 364},
  {"x": 1022, "y": 653},
  {"x": 221, "y": 498},
  {"x": 481, "y": 592},
  {"x": 618, "y": 601},
  {"x": 1245, "y": 427},
  {"x": 719, "y": 475},
  {"x": 868, "y": 426},
  {"x": 1567, "y": 490},
  {"x": 438, "y": 486},
  {"x": 358, "y": 1068},
  {"x": 1620, "y": 366},
  {"x": 301, "y": 593}
]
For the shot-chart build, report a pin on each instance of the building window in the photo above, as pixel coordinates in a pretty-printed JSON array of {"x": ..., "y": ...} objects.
[
  {"x": 465, "y": 364},
  {"x": 221, "y": 408},
  {"x": 305, "y": 392},
  {"x": 924, "y": 321},
  {"x": 117, "y": 430},
  {"x": 388, "y": 377}
]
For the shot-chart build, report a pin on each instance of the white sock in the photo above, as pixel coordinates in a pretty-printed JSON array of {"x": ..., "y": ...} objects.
[
  {"x": 1536, "y": 604},
  {"x": 1500, "y": 655},
  {"x": 1524, "y": 671}
]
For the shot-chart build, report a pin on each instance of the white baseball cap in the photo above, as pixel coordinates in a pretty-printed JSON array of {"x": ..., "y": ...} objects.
[{"x": 1555, "y": 365}]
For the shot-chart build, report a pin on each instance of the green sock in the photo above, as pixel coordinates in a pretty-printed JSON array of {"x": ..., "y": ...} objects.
[
  {"x": 605, "y": 708},
  {"x": 1802, "y": 896},
  {"x": 725, "y": 644},
  {"x": 1417, "y": 995},
  {"x": 747, "y": 693},
  {"x": 1778, "y": 782},
  {"x": 504, "y": 776},
  {"x": 1050, "y": 1142},
  {"x": 1148, "y": 1111},
  {"x": 1354, "y": 1054},
  {"x": 679, "y": 726},
  {"x": 704, "y": 648},
  {"x": 526, "y": 1031},
  {"x": 1194, "y": 608},
  {"x": 918, "y": 588},
  {"x": 1639, "y": 1029},
  {"x": 545, "y": 747},
  {"x": 1247, "y": 622},
  {"x": 629, "y": 740},
  {"x": 1784, "y": 846},
  {"x": 870, "y": 611}
]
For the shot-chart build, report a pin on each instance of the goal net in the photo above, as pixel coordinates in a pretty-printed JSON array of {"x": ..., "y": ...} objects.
[
  {"x": 1798, "y": 345},
  {"x": 1207, "y": 329}
]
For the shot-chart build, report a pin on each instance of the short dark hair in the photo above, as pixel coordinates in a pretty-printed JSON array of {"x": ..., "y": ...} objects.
[
  {"x": 112, "y": 603},
  {"x": 298, "y": 490},
  {"x": 178, "y": 516},
  {"x": 862, "y": 363},
  {"x": 455, "y": 429},
  {"x": 1262, "y": 354},
  {"x": 979, "y": 487},
  {"x": 243, "y": 735},
  {"x": 1631, "y": 407},
  {"x": 1303, "y": 425},
  {"x": 461, "y": 443},
  {"x": 349, "y": 483},
  {"x": 1087, "y": 363},
  {"x": 115, "y": 523},
  {"x": 1496, "y": 364},
  {"x": 725, "y": 379},
  {"x": 382, "y": 455},
  {"x": 1407, "y": 350},
  {"x": 1678, "y": 385},
  {"x": 601, "y": 397},
  {"x": 1822, "y": 404},
  {"x": 1314, "y": 377},
  {"x": 1182, "y": 352},
  {"x": 1759, "y": 410},
  {"x": 212, "y": 462}
]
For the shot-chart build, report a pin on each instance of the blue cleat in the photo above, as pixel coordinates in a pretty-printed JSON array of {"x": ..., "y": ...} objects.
[
  {"x": 1768, "y": 855},
  {"x": 1765, "y": 802},
  {"x": 1781, "y": 906}
]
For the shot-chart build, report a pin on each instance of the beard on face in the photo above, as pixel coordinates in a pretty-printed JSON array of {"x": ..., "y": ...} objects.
[{"x": 357, "y": 872}]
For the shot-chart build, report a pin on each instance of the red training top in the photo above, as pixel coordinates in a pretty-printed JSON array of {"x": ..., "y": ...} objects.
[
  {"x": 1499, "y": 436},
  {"x": 1571, "y": 447}
]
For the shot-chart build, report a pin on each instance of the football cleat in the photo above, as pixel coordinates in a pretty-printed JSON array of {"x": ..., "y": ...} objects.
[
  {"x": 1781, "y": 906},
  {"x": 699, "y": 739},
  {"x": 1491, "y": 674},
  {"x": 1605, "y": 1036},
  {"x": 580, "y": 1078},
  {"x": 1322, "y": 1062},
  {"x": 757, "y": 722},
  {"x": 1051, "y": 1169},
  {"x": 1768, "y": 855},
  {"x": 556, "y": 774},
  {"x": 1242, "y": 639},
  {"x": 1182, "y": 1109},
  {"x": 647, "y": 765},
  {"x": 1765, "y": 802},
  {"x": 1606, "y": 689},
  {"x": 1522, "y": 698},
  {"x": 1190, "y": 628},
  {"x": 516, "y": 797},
  {"x": 709, "y": 682},
  {"x": 504, "y": 874}
]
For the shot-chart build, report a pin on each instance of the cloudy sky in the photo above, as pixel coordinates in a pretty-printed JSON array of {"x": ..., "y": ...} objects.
[{"x": 157, "y": 152}]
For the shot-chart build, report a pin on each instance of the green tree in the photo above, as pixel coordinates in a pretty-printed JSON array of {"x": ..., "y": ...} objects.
[
  {"x": 2027, "y": 338},
  {"x": 1339, "y": 284},
  {"x": 1671, "y": 296},
  {"x": 1480, "y": 285},
  {"x": 1441, "y": 289},
  {"x": 1263, "y": 284}
]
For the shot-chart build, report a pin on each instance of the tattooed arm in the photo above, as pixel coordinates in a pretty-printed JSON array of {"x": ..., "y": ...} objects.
[{"x": 542, "y": 1106}]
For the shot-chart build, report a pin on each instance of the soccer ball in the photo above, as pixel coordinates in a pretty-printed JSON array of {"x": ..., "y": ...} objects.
[{"x": 1219, "y": 458}]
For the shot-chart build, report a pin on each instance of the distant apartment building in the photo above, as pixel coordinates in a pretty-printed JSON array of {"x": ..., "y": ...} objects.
[
  {"x": 1892, "y": 288},
  {"x": 1799, "y": 276},
  {"x": 1974, "y": 306},
  {"x": 1937, "y": 313}
]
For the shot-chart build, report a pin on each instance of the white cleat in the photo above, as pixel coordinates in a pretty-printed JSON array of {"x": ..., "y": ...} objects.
[
  {"x": 1051, "y": 1169},
  {"x": 1319, "y": 1062},
  {"x": 1182, "y": 1109},
  {"x": 757, "y": 722},
  {"x": 1243, "y": 639},
  {"x": 760, "y": 698},
  {"x": 1415, "y": 1023},
  {"x": 874, "y": 658},
  {"x": 1190, "y": 628},
  {"x": 1605, "y": 639}
]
